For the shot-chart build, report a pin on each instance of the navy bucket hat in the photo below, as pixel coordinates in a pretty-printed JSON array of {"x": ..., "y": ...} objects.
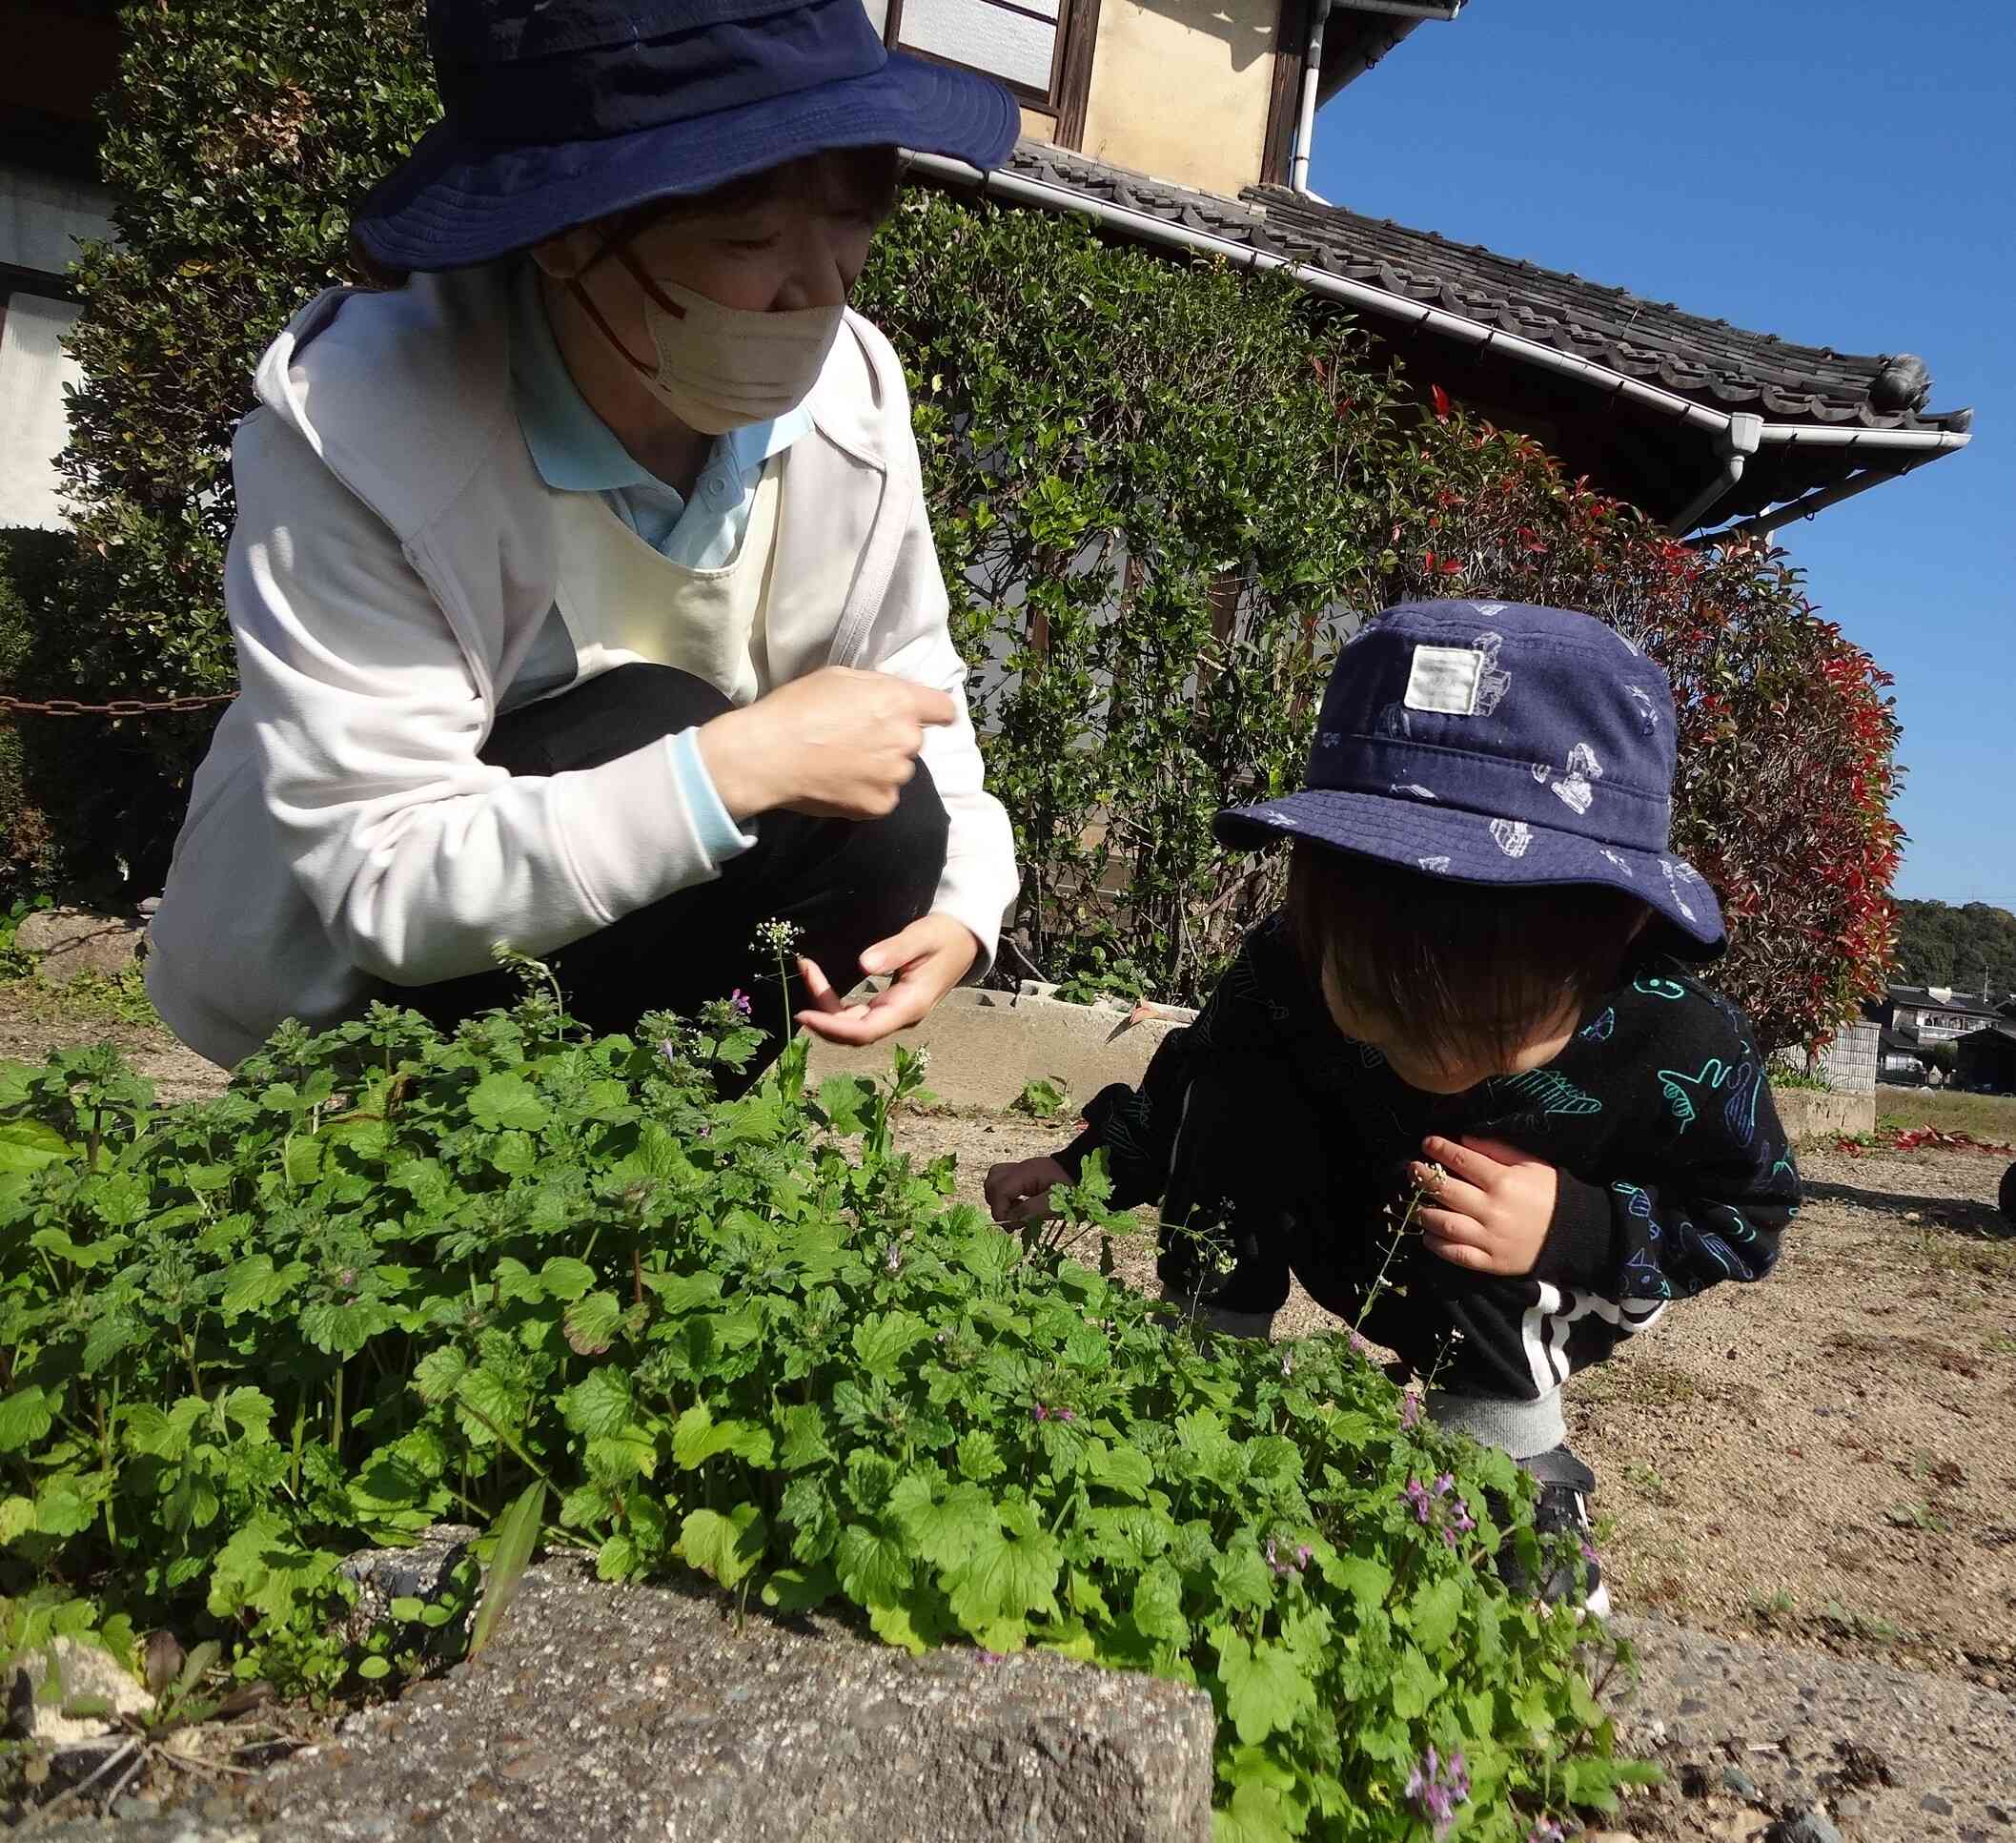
[
  {"x": 555, "y": 112},
  {"x": 1497, "y": 744}
]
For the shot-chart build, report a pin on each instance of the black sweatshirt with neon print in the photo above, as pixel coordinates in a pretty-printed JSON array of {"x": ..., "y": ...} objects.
[{"x": 1279, "y": 1144}]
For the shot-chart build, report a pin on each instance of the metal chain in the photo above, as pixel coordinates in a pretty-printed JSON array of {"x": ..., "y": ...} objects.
[{"x": 117, "y": 708}]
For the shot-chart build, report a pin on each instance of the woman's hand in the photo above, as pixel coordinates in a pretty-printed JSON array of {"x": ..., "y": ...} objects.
[
  {"x": 836, "y": 744},
  {"x": 928, "y": 959},
  {"x": 1020, "y": 1193}
]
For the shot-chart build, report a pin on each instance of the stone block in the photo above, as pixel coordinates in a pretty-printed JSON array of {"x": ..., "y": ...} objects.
[
  {"x": 603, "y": 1714},
  {"x": 70, "y": 941},
  {"x": 985, "y": 1045},
  {"x": 1810, "y": 1114},
  {"x": 86, "y": 1677}
]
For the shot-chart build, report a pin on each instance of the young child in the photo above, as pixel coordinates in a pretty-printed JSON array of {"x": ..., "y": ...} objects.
[{"x": 1474, "y": 991}]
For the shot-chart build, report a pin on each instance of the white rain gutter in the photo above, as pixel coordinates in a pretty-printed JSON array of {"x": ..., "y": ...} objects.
[
  {"x": 1933, "y": 441},
  {"x": 1928, "y": 445},
  {"x": 1305, "y": 117},
  {"x": 1738, "y": 444}
]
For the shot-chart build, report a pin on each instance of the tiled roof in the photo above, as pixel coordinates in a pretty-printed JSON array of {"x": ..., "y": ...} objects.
[
  {"x": 1721, "y": 366},
  {"x": 1924, "y": 998}
]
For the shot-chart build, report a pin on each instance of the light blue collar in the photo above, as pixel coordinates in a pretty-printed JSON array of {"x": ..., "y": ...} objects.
[{"x": 573, "y": 448}]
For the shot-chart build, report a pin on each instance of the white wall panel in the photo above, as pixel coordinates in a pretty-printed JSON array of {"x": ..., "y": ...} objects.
[
  {"x": 40, "y": 216},
  {"x": 33, "y": 369},
  {"x": 988, "y": 38}
]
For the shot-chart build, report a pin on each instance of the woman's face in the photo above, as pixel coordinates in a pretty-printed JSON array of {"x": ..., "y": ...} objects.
[
  {"x": 798, "y": 238},
  {"x": 768, "y": 257}
]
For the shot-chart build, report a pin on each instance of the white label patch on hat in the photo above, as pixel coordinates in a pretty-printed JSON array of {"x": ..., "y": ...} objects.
[{"x": 1445, "y": 678}]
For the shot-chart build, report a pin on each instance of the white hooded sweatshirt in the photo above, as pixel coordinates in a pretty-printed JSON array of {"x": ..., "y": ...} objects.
[{"x": 396, "y": 554}]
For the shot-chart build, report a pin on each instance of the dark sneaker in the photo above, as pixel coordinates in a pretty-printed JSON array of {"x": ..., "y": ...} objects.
[{"x": 1561, "y": 1521}]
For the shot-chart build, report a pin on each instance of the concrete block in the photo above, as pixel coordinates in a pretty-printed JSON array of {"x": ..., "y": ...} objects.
[
  {"x": 603, "y": 1714},
  {"x": 1808, "y": 1113},
  {"x": 985, "y": 1045},
  {"x": 70, "y": 941}
]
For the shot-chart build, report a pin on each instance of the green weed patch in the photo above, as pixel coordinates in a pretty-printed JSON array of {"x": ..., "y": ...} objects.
[{"x": 559, "y": 1286}]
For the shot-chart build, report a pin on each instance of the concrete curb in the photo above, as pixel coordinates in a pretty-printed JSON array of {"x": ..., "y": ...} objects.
[
  {"x": 1808, "y": 1114},
  {"x": 985, "y": 1045}
]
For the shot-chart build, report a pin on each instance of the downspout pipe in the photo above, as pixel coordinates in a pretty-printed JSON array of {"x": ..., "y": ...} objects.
[
  {"x": 1408, "y": 9},
  {"x": 1766, "y": 524},
  {"x": 1405, "y": 14},
  {"x": 1305, "y": 116},
  {"x": 1738, "y": 444}
]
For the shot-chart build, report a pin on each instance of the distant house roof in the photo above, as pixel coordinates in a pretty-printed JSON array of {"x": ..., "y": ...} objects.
[
  {"x": 1604, "y": 379},
  {"x": 1942, "y": 998}
]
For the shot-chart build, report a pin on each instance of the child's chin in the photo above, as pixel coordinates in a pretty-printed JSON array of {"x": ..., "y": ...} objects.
[{"x": 1426, "y": 1083}]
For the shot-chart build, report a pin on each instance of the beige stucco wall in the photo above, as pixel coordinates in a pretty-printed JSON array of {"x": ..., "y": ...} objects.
[{"x": 1179, "y": 88}]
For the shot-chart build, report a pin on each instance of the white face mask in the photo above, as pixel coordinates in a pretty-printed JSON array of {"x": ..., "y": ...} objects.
[{"x": 722, "y": 368}]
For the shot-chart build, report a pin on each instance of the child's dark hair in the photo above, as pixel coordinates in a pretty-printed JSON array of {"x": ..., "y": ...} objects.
[{"x": 1463, "y": 966}]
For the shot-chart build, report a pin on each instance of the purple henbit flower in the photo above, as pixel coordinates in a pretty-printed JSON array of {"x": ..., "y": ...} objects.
[
  {"x": 1416, "y": 1494},
  {"x": 1410, "y": 1412},
  {"x": 1285, "y": 1568},
  {"x": 1287, "y": 1365},
  {"x": 1544, "y": 1831},
  {"x": 668, "y": 1049},
  {"x": 1304, "y": 1555},
  {"x": 1437, "y": 1787},
  {"x": 740, "y": 999},
  {"x": 1039, "y": 1412}
]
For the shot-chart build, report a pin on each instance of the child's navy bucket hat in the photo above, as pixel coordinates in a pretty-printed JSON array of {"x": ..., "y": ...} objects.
[
  {"x": 1490, "y": 743},
  {"x": 560, "y": 111}
]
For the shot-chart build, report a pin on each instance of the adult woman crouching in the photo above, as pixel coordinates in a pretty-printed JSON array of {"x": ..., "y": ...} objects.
[{"x": 584, "y": 592}]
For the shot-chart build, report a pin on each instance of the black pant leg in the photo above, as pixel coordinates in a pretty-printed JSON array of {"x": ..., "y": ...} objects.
[
  {"x": 1245, "y": 1185},
  {"x": 845, "y": 884}
]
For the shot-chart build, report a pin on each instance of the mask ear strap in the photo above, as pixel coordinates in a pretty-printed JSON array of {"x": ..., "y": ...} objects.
[
  {"x": 627, "y": 256},
  {"x": 617, "y": 244}
]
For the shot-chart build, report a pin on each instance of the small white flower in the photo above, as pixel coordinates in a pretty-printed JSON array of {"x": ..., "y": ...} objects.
[{"x": 778, "y": 937}]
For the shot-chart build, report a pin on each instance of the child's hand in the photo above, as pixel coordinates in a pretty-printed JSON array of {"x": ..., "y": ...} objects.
[
  {"x": 1493, "y": 1211},
  {"x": 1020, "y": 1192}
]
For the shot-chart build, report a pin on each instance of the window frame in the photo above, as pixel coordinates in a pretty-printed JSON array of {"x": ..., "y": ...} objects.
[{"x": 1071, "y": 63}]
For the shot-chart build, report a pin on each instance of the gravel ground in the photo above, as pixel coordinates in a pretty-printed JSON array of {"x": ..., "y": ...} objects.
[{"x": 1807, "y": 1499}]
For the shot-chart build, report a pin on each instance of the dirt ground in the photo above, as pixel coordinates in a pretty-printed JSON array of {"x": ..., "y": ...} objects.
[{"x": 1821, "y": 1463}]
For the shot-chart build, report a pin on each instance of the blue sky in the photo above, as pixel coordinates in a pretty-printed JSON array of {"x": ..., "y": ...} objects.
[{"x": 1834, "y": 171}]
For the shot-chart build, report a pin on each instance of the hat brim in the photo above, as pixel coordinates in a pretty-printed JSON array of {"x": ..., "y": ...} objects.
[
  {"x": 456, "y": 203},
  {"x": 1462, "y": 847}
]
